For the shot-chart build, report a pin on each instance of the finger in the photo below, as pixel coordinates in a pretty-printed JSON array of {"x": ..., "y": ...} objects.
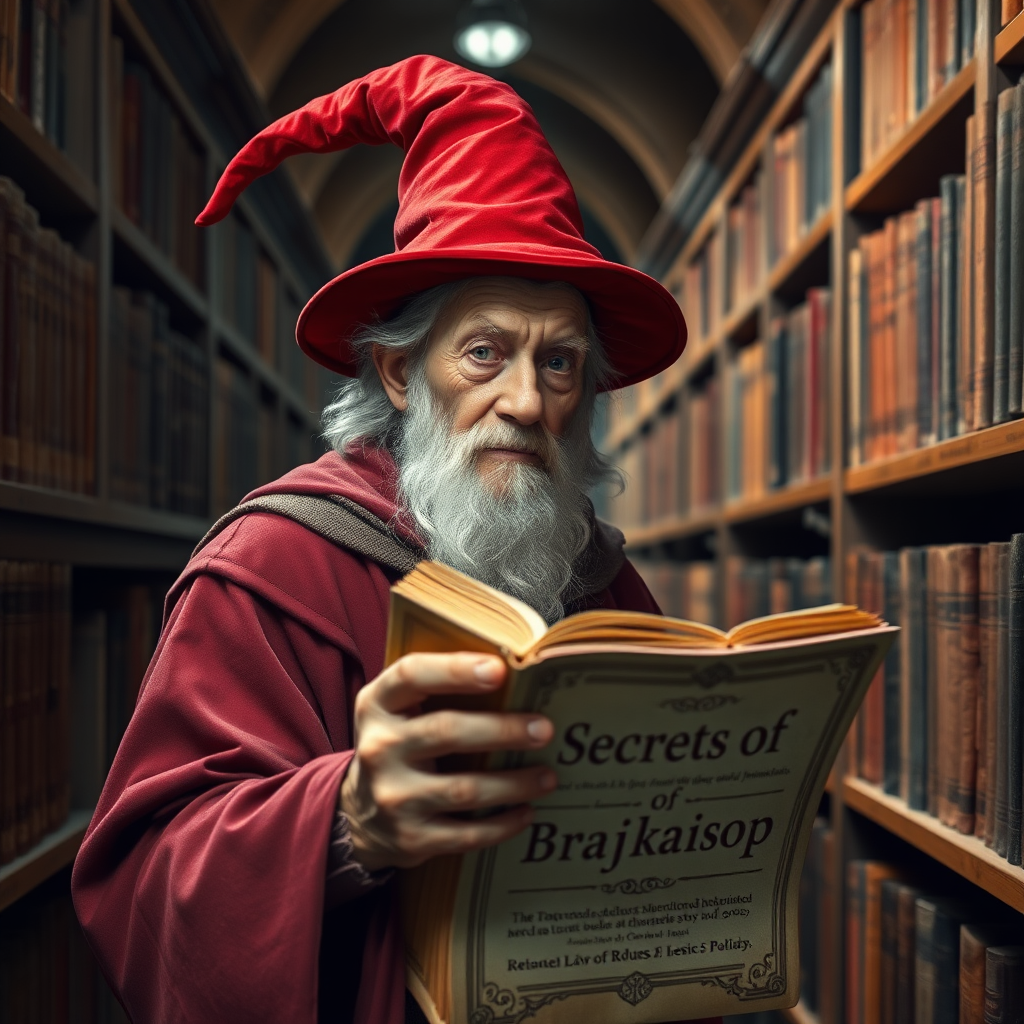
[
  {"x": 474, "y": 791},
  {"x": 411, "y": 679},
  {"x": 472, "y": 732},
  {"x": 452, "y": 835}
]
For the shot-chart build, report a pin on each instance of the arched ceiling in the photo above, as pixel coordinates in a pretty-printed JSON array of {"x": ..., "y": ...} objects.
[{"x": 620, "y": 88}]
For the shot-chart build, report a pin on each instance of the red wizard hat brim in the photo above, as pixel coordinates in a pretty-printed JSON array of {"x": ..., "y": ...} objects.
[
  {"x": 481, "y": 193},
  {"x": 639, "y": 323}
]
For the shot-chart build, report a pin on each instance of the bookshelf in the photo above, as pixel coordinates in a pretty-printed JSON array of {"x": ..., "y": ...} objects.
[
  {"x": 124, "y": 553},
  {"x": 965, "y": 488}
]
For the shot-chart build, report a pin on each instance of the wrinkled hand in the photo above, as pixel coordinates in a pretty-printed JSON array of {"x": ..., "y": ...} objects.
[{"x": 400, "y": 810}]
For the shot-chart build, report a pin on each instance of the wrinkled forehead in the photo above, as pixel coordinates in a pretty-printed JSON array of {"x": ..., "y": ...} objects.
[{"x": 512, "y": 304}]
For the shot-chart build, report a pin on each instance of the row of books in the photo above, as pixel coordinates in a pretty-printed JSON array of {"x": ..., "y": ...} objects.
[
  {"x": 43, "y": 47},
  {"x": 913, "y": 954},
  {"x": 702, "y": 291},
  {"x": 753, "y": 587},
  {"x": 941, "y": 725},
  {"x": 802, "y": 165},
  {"x": 159, "y": 413},
  {"x": 250, "y": 446},
  {"x": 158, "y": 170},
  {"x": 778, "y": 430},
  {"x": 47, "y": 352},
  {"x": 48, "y": 974},
  {"x": 745, "y": 245},
  {"x": 910, "y": 49},
  {"x": 35, "y": 638},
  {"x": 912, "y": 378}
]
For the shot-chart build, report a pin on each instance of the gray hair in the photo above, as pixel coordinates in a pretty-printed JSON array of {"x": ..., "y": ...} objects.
[{"x": 362, "y": 413}]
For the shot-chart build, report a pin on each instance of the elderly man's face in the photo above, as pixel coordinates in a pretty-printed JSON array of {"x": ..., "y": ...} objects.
[{"x": 506, "y": 351}]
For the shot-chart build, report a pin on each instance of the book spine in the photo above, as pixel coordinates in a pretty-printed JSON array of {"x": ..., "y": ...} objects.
[
  {"x": 1014, "y": 724},
  {"x": 966, "y": 379},
  {"x": 914, "y": 678},
  {"x": 933, "y": 661},
  {"x": 1015, "y": 360},
  {"x": 924, "y": 962},
  {"x": 1004, "y": 984},
  {"x": 983, "y": 169},
  {"x": 923, "y": 296},
  {"x": 892, "y": 612},
  {"x": 972, "y": 976},
  {"x": 856, "y": 896},
  {"x": 1003, "y": 285},
  {"x": 987, "y": 619},
  {"x": 1002, "y": 697},
  {"x": 889, "y": 935},
  {"x": 906, "y": 949},
  {"x": 967, "y": 664},
  {"x": 947, "y": 313}
]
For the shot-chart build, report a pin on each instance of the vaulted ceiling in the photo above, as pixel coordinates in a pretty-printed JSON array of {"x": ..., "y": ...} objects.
[{"x": 620, "y": 88}]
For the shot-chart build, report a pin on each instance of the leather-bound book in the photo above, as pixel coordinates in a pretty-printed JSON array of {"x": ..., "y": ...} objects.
[
  {"x": 1003, "y": 286},
  {"x": 855, "y": 319},
  {"x": 906, "y": 951},
  {"x": 892, "y": 612},
  {"x": 975, "y": 941},
  {"x": 934, "y": 561},
  {"x": 947, "y": 697},
  {"x": 923, "y": 319},
  {"x": 983, "y": 169},
  {"x": 965, "y": 667},
  {"x": 937, "y": 961},
  {"x": 949, "y": 279},
  {"x": 914, "y": 678},
  {"x": 988, "y": 620},
  {"x": 1000, "y": 810},
  {"x": 1004, "y": 985},
  {"x": 864, "y": 939},
  {"x": 965, "y": 377},
  {"x": 1014, "y": 717},
  {"x": 872, "y": 716},
  {"x": 1015, "y": 370},
  {"x": 889, "y": 952}
]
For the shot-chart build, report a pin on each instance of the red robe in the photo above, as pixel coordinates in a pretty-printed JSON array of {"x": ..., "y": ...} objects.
[{"x": 201, "y": 881}]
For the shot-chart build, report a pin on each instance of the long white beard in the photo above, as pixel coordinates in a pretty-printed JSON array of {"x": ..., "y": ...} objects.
[{"x": 521, "y": 533}]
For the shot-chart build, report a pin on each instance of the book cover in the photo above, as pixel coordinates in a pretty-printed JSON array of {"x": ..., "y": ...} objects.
[
  {"x": 1015, "y": 364},
  {"x": 998, "y": 837},
  {"x": 937, "y": 964},
  {"x": 1004, "y": 984},
  {"x": 541, "y": 924}
]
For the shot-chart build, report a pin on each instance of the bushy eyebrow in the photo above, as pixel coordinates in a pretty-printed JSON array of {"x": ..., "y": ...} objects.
[{"x": 481, "y": 325}]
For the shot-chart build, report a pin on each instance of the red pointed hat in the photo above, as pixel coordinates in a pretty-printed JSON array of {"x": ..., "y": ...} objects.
[{"x": 480, "y": 194}]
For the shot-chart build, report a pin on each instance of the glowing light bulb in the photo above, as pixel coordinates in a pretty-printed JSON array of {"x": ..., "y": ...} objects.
[{"x": 492, "y": 42}]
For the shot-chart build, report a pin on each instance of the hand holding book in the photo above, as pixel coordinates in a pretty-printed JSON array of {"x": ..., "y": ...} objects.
[{"x": 400, "y": 810}]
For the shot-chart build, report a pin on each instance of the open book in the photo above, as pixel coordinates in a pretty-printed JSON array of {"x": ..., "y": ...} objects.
[{"x": 659, "y": 882}]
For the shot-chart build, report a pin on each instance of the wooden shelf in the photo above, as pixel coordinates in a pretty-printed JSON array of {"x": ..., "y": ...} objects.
[
  {"x": 171, "y": 281},
  {"x": 794, "y": 497},
  {"x": 52, "y": 183},
  {"x": 1009, "y": 45},
  {"x": 672, "y": 528},
  {"x": 931, "y": 146},
  {"x": 46, "y": 858},
  {"x": 790, "y": 273},
  {"x": 966, "y": 855},
  {"x": 799, "y": 1014},
  {"x": 60, "y": 505},
  {"x": 981, "y": 446}
]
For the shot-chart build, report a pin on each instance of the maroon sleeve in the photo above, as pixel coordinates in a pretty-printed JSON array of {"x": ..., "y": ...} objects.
[{"x": 201, "y": 881}]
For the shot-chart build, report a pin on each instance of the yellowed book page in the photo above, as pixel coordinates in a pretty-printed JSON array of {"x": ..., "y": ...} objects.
[{"x": 660, "y": 881}]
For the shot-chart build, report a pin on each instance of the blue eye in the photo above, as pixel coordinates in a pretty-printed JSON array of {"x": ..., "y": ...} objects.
[
  {"x": 482, "y": 352},
  {"x": 558, "y": 363}
]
